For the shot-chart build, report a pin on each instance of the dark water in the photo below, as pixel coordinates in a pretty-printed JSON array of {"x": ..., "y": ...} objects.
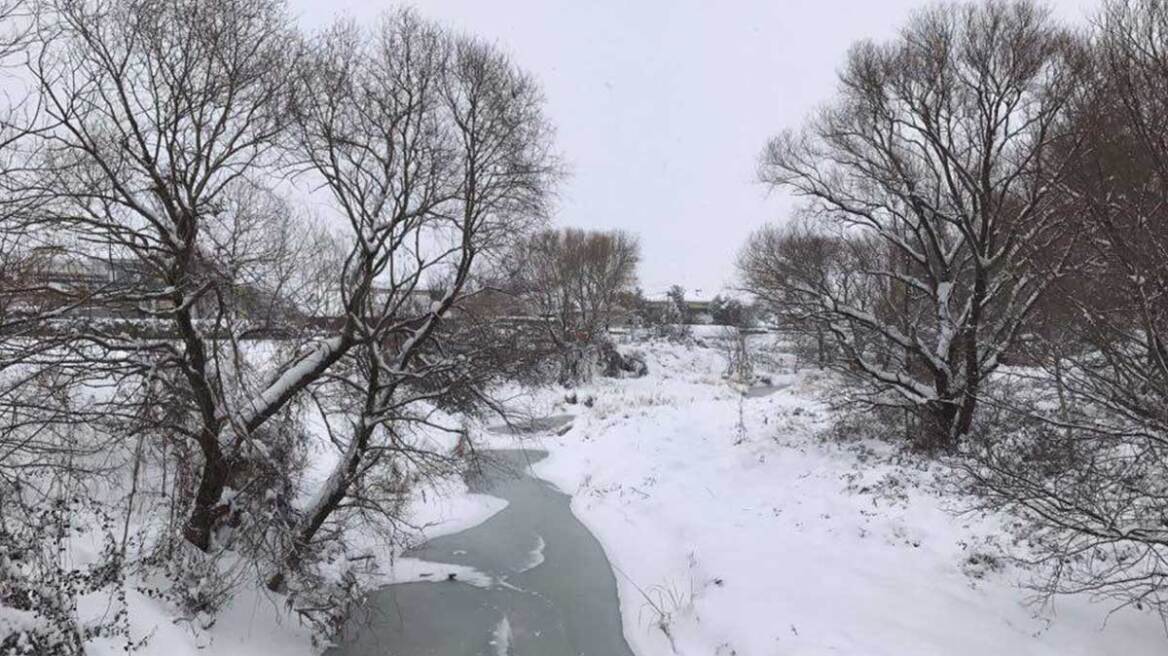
[{"x": 564, "y": 606}]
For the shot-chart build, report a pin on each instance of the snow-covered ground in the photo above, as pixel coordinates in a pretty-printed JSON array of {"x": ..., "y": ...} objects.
[
  {"x": 255, "y": 622},
  {"x": 735, "y": 528}
]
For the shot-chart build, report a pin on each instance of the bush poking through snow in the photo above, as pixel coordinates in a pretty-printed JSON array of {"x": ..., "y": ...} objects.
[
  {"x": 40, "y": 587},
  {"x": 614, "y": 364},
  {"x": 664, "y": 603},
  {"x": 739, "y": 359}
]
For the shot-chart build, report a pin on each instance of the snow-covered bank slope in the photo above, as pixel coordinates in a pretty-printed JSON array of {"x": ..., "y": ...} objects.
[
  {"x": 768, "y": 541},
  {"x": 255, "y": 622}
]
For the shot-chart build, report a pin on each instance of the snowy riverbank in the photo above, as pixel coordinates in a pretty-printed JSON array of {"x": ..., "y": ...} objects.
[{"x": 735, "y": 529}]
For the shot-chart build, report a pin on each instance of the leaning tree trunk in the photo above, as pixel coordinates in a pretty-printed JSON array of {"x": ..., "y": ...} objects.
[{"x": 335, "y": 489}]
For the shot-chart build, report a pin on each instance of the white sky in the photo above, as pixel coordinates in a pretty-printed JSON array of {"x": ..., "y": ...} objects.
[{"x": 662, "y": 106}]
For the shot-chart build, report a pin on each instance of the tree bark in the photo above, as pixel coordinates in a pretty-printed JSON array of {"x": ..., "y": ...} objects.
[{"x": 207, "y": 510}]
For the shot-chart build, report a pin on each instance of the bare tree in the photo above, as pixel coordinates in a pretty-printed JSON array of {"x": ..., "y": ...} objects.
[
  {"x": 165, "y": 113},
  {"x": 789, "y": 269},
  {"x": 576, "y": 280},
  {"x": 944, "y": 148},
  {"x": 1092, "y": 475},
  {"x": 20, "y": 286},
  {"x": 435, "y": 151},
  {"x": 170, "y": 312}
]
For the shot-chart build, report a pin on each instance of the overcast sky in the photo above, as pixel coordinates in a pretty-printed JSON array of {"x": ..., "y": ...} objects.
[{"x": 662, "y": 106}]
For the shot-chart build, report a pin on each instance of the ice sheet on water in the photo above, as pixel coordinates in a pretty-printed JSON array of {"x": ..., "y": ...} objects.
[{"x": 535, "y": 557}]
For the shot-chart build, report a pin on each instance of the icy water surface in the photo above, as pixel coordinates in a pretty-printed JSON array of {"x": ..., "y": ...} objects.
[
  {"x": 554, "y": 423},
  {"x": 553, "y": 590},
  {"x": 759, "y": 391}
]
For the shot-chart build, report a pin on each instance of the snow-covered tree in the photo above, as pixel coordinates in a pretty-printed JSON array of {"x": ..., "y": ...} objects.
[
  {"x": 729, "y": 311},
  {"x": 1087, "y": 462},
  {"x": 940, "y": 156},
  {"x": 435, "y": 151},
  {"x": 201, "y": 176}
]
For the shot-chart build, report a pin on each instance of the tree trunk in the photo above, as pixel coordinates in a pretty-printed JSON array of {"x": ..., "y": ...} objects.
[
  {"x": 935, "y": 428},
  {"x": 207, "y": 510},
  {"x": 968, "y": 408},
  {"x": 972, "y": 354},
  {"x": 820, "y": 346},
  {"x": 336, "y": 488}
]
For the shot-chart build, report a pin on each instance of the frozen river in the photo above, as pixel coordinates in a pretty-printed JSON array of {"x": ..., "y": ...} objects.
[{"x": 552, "y": 590}]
